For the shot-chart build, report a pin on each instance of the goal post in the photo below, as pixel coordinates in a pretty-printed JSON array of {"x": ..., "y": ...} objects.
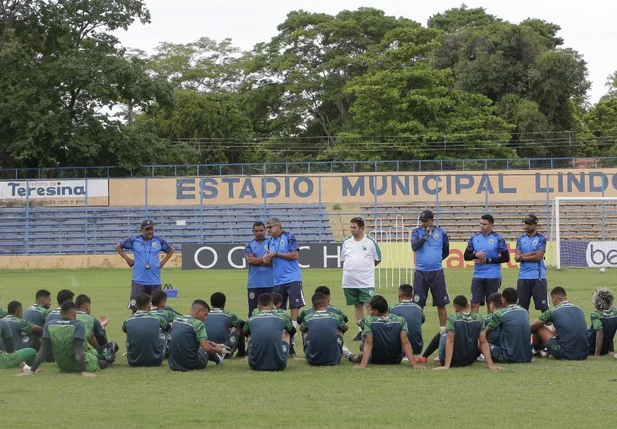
[{"x": 584, "y": 232}]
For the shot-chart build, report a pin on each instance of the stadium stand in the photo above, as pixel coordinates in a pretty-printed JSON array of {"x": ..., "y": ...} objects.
[
  {"x": 460, "y": 219},
  {"x": 64, "y": 230}
]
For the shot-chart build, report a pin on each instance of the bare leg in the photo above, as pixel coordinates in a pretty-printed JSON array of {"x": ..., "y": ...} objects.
[
  {"x": 443, "y": 315},
  {"x": 475, "y": 308},
  {"x": 286, "y": 337},
  {"x": 294, "y": 314},
  {"x": 359, "y": 312}
]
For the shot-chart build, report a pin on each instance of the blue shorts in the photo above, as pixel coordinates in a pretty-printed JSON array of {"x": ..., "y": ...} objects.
[
  {"x": 253, "y": 297},
  {"x": 482, "y": 289},
  {"x": 292, "y": 292},
  {"x": 435, "y": 281}
]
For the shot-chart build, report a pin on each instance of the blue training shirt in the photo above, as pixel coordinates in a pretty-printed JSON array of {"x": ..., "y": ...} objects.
[
  {"x": 430, "y": 255},
  {"x": 493, "y": 244},
  {"x": 526, "y": 244},
  {"x": 146, "y": 253},
  {"x": 285, "y": 271},
  {"x": 259, "y": 275}
]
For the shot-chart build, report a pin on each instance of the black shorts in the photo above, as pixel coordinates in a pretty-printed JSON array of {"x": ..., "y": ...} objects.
[
  {"x": 482, "y": 289},
  {"x": 137, "y": 288},
  {"x": 435, "y": 281},
  {"x": 253, "y": 297},
  {"x": 537, "y": 288},
  {"x": 292, "y": 292}
]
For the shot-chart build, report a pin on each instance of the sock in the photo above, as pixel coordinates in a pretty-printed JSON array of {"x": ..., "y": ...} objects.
[
  {"x": 242, "y": 346},
  {"x": 295, "y": 323},
  {"x": 360, "y": 329},
  {"x": 351, "y": 357},
  {"x": 442, "y": 329}
]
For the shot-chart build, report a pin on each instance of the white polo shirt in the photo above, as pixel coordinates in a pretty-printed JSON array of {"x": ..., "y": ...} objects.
[{"x": 359, "y": 262}]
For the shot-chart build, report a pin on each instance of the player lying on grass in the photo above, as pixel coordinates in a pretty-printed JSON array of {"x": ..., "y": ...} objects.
[
  {"x": 569, "y": 342},
  {"x": 160, "y": 309},
  {"x": 21, "y": 329},
  {"x": 9, "y": 357},
  {"x": 465, "y": 333},
  {"x": 322, "y": 333},
  {"x": 67, "y": 339},
  {"x": 268, "y": 334},
  {"x": 145, "y": 337},
  {"x": 601, "y": 333},
  {"x": 36, "y": 314},
  {"x": 512, "y": 323},
  {"x": 190, "y": 348},
  {"x": 413, "y": 315},
  {"x": 385, "y": 338},
  {"x": 225, "y": 327},
  {"x": 325, "y": 290}
]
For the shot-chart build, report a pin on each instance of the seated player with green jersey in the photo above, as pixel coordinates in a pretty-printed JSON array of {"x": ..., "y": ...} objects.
[
  {"x": 384, "y": 338},
  {"x": 67, "y": 339},
  {"x": 458, "y": 345},
  {"x": 63, "y": 296},
  {"x": 225, "y": 327},
  {"x": 413, "y": 315},
  {"x": 160, "y": 309},
  {"x": 512, "y": 323},
  {"x": 601, "y": 333},
  {"x": 99, "y": 336},
  {"x": 570, "y": 342},
  {"x": 21, "y": 329},
  {"x": 277, "y": 301},
  {"x": 190, "y": 349},
  {"x": 9, "y": 357},
  {"x": 2, "y": 313},
  {"x": 322, "y": 333},
  {"x": 495, "y": 303},
  {"x": 330, "y": 308},
  {"x": 36, "y": 314},
  {"x": 145, "y": 337},
  {"x": 268, "y": 334}
]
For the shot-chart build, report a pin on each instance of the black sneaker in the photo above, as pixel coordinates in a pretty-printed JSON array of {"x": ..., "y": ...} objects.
[{"x": 358, "y": 337}]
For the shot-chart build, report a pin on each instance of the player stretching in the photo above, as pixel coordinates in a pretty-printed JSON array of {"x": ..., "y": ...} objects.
[
  {"x": 488, "y": 250},
  {"x": 530, "y": 249},
  {"x": 431, "y": 246},
  {"x": 603, "y": 323}
]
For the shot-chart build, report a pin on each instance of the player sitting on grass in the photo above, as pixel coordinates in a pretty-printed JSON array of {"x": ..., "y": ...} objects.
[
  {"x": 495, "y": 303},
  {"x": 95, "y": 328},
  {"x": 603, "y": 323},
  {"x": 268, "y": 334},
  {"x": 63, "y": 296},
  {"x": 190, "y": 349},
  {"x": 160, "y": 309},
  {"x": 413, "y": 315},
  {"x": 384, "y": 338},
  {"x": 325, "y": 290},
  {"x": 9, "y": 357},
  {"x": 145, "y": 340},
  {"x": 458, "y": 345},
  {"x": 570, "y": 342},
  {"x": 223, "y": 326},
  {"x": 512, "y": 323},
  {"x": 2, "y": 313},
  {"x": 322, "y": 333},
  {"x": 21, "y": 329},
  {"x": 37, "y": 313},
  {"x": 66, "y": 337}
]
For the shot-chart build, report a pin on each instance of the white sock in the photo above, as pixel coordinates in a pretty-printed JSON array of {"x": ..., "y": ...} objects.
[
  {"x": 359, "y": 329},
  {"x": 295, "y": 323},
  {"x": 442, "y": 329}
]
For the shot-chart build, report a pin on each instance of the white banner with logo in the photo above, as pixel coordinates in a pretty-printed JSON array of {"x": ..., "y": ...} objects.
[{"x": 66, "y": 193}]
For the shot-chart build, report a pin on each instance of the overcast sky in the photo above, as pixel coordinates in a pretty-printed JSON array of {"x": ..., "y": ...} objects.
[{"x": 588, "y": 27}]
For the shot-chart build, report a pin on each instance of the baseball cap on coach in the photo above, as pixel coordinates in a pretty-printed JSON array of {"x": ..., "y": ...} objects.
[
  {"x": 147, "y": 223},
  {"x": 426, "y": 215},
  {"x": 531, "y": 219}
]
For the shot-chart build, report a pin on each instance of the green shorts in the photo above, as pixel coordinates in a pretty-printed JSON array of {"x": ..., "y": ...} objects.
[
  {"x": 358, "y": 296},
  {"x": 13, "y": 360}
]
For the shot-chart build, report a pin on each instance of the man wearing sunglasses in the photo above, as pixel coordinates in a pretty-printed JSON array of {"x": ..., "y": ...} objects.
[
  {"x": 146, "y": 263},
  {"x": 530, "y": 249}
]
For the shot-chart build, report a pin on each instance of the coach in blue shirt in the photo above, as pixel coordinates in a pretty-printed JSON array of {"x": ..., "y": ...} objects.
[
  {"x": 261, "y": 275},
  {"x": 283, "y": 251},
  {"x": 146, "y": 263},
  {"x": 432, "y": 246},
  {"x": 530, "y": 249},
  {"x": 488, "y": 249}
]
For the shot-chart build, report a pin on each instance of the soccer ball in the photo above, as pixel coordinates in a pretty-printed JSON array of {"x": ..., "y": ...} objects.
[{"x": 602, "y": 270}]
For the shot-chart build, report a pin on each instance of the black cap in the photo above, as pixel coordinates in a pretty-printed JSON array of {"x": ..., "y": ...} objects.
[
  {"x": 147, "y": 223},
  {"x": 531, "y": 219},
  {"x": 426, "y": 215}
]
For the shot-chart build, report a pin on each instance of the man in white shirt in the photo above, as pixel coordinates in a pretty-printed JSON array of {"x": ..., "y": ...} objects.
[{"x": 360, "y": 255}]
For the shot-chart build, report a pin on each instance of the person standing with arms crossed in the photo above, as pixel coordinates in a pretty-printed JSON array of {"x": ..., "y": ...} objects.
[
  {"x": 283, "y": 251},
  {"x": 146, "y": 263},
  {"x": 488, "y": 249},
  {"x": 360, "y": 255},
  {"x": 432, "y": 246},
  {"x": 261, "y": 275},
  {"x": 530, "y": 249}
]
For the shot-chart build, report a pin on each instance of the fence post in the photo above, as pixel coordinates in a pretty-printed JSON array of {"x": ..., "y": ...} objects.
[
  {"x": 320, "y": 210},
  {"x": 603, "y": 217},
  {"x": 548, "y": 198},
  {"x": 201, "y": 214},
  {"x": 27, "y": 218},
  {"x": 86, "y": 215},
  {"x": 146, "y": 198}
]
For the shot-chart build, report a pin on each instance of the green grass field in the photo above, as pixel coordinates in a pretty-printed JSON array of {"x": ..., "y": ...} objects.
[{"x": 545, "y": 393}]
